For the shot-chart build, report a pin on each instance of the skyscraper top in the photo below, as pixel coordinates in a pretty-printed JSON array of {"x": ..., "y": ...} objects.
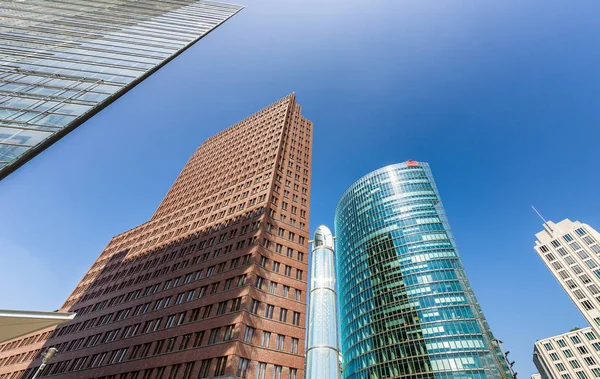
[
  {"x": 323, "y": 237},
  {"x": 553, "y": 230}
]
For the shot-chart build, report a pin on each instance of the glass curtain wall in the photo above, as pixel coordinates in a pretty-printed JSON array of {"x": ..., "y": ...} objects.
[
  {"x": 63, "y": 60},
  {"x": 406, "y": 307}
]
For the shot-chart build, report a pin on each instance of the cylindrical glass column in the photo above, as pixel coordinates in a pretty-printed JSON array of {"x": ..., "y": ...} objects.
[{"x": 322, "y": 353}]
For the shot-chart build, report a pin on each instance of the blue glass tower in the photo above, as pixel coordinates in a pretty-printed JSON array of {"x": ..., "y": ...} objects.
[{"x": 406, "y": 307}]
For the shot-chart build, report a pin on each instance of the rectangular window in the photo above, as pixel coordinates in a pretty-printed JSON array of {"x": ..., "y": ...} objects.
[
  {"x": 261, "y": 369},
  {"x": 269, "y": 311},
  {"x": 280, "y": 342},
  {"x": 242, "y": 368},
  {"x": 568, "y": 353},
  {"x": 204, "y": 367},
  {"x": 228, "y": 335},
  {"x": 266, "y": 337},
  {"x": 283, "y": 315},
  {"x": 220, "y": 366},
  {"x": 249, "y": 334},
  {"x": 214, "y": 336},
  {"x": 198, "y": 337}
]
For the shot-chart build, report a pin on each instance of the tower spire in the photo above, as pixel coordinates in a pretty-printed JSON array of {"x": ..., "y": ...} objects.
[{"x": 543, "y": 219}]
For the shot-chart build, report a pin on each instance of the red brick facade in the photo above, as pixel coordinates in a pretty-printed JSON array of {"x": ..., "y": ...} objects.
[{"x": 195, "y": 291}]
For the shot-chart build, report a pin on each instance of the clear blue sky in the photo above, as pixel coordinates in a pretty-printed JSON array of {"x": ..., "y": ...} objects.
[{"x": 502, "y": 98}]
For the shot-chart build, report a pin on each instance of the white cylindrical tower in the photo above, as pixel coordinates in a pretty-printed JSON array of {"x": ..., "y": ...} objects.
[{"x": 323, "y": 351}]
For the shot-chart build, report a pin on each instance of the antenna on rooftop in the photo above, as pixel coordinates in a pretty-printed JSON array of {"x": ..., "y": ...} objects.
[{"x": 542, "y": 217}]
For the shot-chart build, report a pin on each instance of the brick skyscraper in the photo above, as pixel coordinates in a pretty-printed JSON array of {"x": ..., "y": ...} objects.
[{"x": 213, "y": 285}]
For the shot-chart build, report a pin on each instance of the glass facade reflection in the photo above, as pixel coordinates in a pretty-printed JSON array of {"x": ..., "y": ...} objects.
[
  {"x": 322, "y": 353},
  {"x": 406, "y": 307},
  {"x": 63, "y": 60}
]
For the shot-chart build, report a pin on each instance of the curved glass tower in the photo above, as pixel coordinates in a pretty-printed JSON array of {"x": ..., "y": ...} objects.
[{"x": 406, "y": 307}]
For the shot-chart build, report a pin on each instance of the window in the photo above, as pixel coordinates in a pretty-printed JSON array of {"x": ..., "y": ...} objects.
[
  {"x": 582, "y": 350},
  {"x": 185, "y": 340},
  {"x": 568, "y": 353},
  {"x": 554, "y": 356},
  {"x": 287, "y": 271},
  {"x": 198, "y": 337},
  {"x": 273, "y": 288},
  {"x": 222, "y": 307},
  {"x": 266, "y": 336},
  {"x": 560, "y": 367},
  {"x": 220, "y": 367},
  {"x": 206, "y": 312},
  {"x": 174, "y": 371},
  {"x": 590, "y": 336},
  {"x": 260, "y": 370},
  {"x": 254, "y": 306},
  {"x": 285, "y": 292},
  {"x": 157, "y": 348},
  {"x": 574, "y": 364},
  {"x": 187, "y": 371},
  {"x": 259, "y": 282},
  {"x": 299, "y": 274},
  {"x": 298, "y": 295},
  {"x": 575, "y": 339},
  {"x": 581, "y": 375},
  {"x": 296, "y": 318},
  {"x": 294, "y": 346},
  {"x": 548, "y": 345},
  {"x": 214, "y": 336},
  {"x": 228, "y": 335},
  {"x": 293, "y": 373},
  {"x": 269, "y": 311},
  {"x": 263, "y": 261},
  {"x": 589, "y": 361},
  {"x": 249, "y": 334},
  {"x": 242, "y": 368},
  {"x": 279, "y": 342},
  {"x": 170, "y": 344},
  {"x": 235, "y": 304},
  {"x": 277, "y": 372},
  {"x": 204, "y": 367},
  {"x": 283, "y": 315}
]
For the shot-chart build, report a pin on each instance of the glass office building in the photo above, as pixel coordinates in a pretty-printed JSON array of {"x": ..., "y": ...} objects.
[
  {"x": 61, "y": 61},
  {"x": 406, "y": 307}
]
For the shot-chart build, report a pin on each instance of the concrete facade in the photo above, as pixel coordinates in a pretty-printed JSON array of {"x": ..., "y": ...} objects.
[
  {"x": 573, "y": 355},
  {"x": 213, "y": 285},
  {"x": 571, "y": 250}
]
